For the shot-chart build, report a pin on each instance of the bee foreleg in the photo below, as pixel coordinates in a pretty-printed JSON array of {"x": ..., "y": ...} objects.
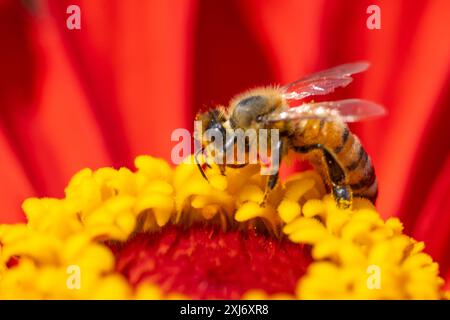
[
  {"x": 271, "y": 183},
  {"x": 273, "y": 178},
  {"x": 199, "y": 165},
  {"x": 341, "y": 190}
]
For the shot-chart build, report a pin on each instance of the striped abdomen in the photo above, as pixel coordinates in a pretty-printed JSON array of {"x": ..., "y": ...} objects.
[{"x": 346, "y": 149}]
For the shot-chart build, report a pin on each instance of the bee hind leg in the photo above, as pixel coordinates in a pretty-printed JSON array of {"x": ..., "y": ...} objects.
[
  {"x": 343, "y": 196},
  {"x": 342, "y": 192}
]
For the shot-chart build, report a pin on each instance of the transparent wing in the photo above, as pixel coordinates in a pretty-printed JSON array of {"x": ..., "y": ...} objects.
[
  {"x": 349, "y": 110},
  {"x": 323, "y": 82}
]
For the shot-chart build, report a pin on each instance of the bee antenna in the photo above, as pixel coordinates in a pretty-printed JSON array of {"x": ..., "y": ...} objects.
[{"x": 200, "y": 167}]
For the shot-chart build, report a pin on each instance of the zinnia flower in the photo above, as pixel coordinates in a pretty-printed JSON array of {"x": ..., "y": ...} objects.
[
  {"x": 118, "y": 87},
  {"x": 163, "y": 233}
]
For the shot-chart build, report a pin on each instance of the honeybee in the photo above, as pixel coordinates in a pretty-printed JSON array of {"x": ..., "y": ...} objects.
[{"x": 317, "y": 130}]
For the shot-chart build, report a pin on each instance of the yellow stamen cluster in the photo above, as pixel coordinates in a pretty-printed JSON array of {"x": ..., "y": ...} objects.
[
  {"x": 359, "y": 256},
  {"x": 356, "y": 254}
]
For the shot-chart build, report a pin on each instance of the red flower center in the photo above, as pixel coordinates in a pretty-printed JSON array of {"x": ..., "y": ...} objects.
[{"x": 204, "y": 262}]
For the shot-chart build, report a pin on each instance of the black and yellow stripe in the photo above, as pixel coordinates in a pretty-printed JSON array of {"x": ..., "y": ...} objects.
[{"x": 349, "y": 157}]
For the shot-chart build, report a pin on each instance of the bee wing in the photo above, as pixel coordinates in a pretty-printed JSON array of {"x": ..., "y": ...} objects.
[
  {"x": 349, "y": 110},
  {"x": 323, "y": 82}
]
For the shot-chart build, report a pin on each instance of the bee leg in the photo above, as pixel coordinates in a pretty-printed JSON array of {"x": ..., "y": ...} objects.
[
  {"x": 199, "y": 165},
  {"x": 273, "y": 178},
  {"x": 343, "y": 196},
  {"x": 222, "y": 170},
  {"x": 236, "y": 166},
  {"x": 271, "y": 183},
  {"x": 341, "y": 190}
]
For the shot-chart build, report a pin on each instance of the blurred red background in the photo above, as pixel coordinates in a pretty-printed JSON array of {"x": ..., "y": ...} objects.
[{"x": 137, "y": 70}]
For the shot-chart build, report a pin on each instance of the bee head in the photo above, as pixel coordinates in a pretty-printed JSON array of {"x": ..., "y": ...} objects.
[{"x": 212, "y": 120}]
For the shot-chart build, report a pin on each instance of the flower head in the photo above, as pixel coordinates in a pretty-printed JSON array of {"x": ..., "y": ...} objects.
[{"x": 159, "y": 232}]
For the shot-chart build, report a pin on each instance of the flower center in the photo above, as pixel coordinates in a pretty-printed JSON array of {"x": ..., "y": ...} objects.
[{"x": 204, "y": 262}]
